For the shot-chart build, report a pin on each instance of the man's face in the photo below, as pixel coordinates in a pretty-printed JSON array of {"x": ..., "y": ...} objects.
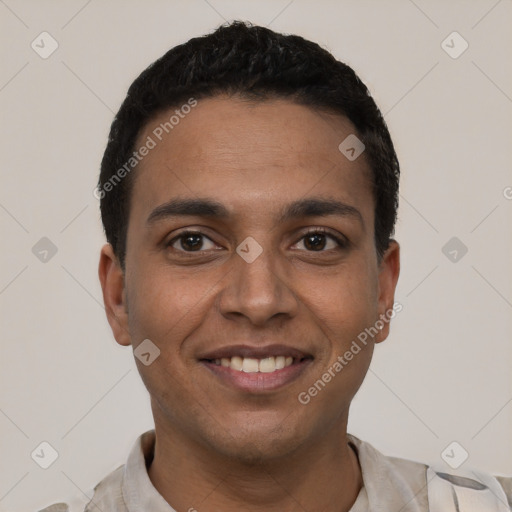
[{"x": 208, "y": 299}]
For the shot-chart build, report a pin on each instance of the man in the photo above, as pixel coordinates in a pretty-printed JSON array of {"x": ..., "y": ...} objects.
[{"x": 248, "y": 193}]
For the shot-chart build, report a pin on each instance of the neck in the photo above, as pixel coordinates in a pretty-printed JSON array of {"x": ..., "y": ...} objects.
[{"x": 324, "y": 475}]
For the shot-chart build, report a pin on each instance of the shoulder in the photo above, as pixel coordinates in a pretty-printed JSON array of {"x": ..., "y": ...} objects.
[
  {"x": 468, "y": 488},
  {"x": 72, "y": 504},
  {"x": 106, "y": 495},
  {"x": 432, "y": 486}
]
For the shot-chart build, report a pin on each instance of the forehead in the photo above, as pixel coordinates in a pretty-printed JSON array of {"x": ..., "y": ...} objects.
[{"x": 252, "y": 156}]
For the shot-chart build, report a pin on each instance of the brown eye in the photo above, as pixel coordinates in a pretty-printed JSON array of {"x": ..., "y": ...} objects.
[
  {"x": 317, "y": 241},
  {"x": 189, "y": 241}
]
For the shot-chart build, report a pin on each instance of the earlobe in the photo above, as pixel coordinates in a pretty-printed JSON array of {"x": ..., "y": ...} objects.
[
  {"x": 114, "y": 297},
  {"x": 389, "y": 271}
]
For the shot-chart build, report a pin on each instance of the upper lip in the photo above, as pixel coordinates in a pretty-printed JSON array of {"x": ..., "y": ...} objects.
[{"x": 258, "y": 352}]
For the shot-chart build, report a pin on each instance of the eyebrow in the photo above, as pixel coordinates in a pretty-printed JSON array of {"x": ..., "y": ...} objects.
[{"x": 206, "y": 207}]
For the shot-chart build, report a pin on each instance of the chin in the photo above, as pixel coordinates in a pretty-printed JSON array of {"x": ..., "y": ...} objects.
[
  {"x": 257, "y": 452},
  {"x": 256, "y": 444}
]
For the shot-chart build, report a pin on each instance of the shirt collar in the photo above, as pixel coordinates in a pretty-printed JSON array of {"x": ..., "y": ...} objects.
[
  {"x": 390, "y": 483},
  {"x": 138, "y": 490}
]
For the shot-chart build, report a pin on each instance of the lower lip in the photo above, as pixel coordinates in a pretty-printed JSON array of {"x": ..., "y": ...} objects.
[{"x": 258, "y": 381}]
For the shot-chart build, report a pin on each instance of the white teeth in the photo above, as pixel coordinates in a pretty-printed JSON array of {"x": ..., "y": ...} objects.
[
  {"x": 252, "y": 365},
  {"x": 267, "y": 365},
  {"x": 236, "y": 363},
  {"x": 280, "y": 362}
]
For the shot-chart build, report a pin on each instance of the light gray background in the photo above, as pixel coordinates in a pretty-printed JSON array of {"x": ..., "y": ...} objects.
[{"x": 444, "y": 373}]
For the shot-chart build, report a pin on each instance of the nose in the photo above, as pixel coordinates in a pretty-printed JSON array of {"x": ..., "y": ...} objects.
[{"x": 258, "y": 291}]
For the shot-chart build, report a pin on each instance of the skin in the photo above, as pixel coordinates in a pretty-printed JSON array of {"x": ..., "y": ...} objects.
[{"x": 217, "y": 447}]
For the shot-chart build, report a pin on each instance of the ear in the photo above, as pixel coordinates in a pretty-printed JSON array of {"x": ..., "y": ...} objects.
[
  {"x": 114, "y": 297},
  {"x": 389, "y": 271}
]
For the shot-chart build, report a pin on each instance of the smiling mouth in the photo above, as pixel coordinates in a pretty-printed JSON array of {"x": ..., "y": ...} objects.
[
  {"x": 255, "y": 369},
  {"x": 257, "y": 375},
  {"x": 269, "y": 364}
]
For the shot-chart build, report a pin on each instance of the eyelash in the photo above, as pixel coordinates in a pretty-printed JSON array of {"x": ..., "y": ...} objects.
[{"x": 340, "y": 241}]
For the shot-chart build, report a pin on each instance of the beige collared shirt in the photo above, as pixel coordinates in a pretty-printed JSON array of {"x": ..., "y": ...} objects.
[{"x": 390, "y": 484}]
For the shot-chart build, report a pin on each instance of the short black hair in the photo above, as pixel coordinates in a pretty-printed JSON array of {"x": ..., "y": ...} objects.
[{"x": 257, "y": 63}]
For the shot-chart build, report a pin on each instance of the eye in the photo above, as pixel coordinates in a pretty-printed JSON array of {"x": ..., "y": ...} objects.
[
  {"x": 190, "y": 241},
  {"x": 315, "y": 240}
]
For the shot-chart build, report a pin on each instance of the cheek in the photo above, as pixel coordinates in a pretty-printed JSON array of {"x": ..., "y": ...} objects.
[
  {"x": 165, "y": 306},
  {"x": 345, "y": 299}
]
